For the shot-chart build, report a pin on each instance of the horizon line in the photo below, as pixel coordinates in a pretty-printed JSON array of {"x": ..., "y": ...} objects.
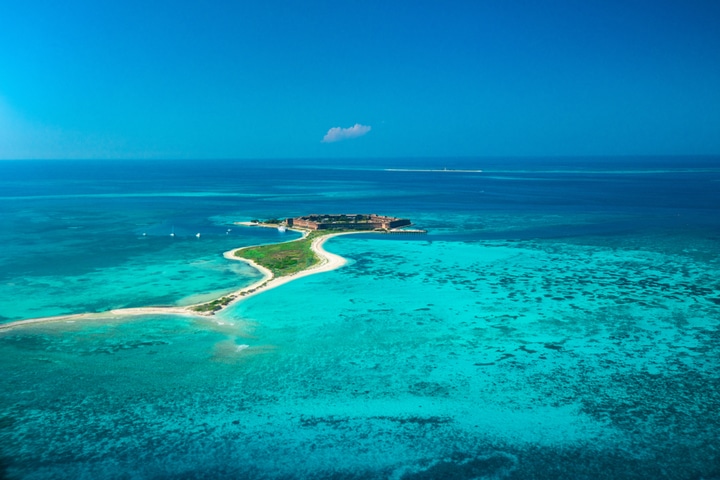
[{"x": 405, "y": 157}]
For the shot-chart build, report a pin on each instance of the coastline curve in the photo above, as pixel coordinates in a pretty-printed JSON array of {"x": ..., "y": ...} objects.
[{"x": 328, "y": 261}]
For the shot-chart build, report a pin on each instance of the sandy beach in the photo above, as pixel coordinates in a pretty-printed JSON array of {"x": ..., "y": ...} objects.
[{"x": 328, "y": 261}]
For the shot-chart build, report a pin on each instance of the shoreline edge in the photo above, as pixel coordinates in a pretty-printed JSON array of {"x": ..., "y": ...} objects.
[{"x": 328, "y": 262}]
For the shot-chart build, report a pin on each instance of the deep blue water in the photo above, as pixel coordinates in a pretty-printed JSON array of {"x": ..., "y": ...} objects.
[{"x": 561, "y": 319}]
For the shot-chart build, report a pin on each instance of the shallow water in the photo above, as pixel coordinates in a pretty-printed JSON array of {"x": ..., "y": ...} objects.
[
  {"x": 78, "y": 256},
  {"x": 508, "y": 343}
]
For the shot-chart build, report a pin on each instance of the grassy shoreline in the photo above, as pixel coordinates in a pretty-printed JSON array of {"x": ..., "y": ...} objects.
[
  {"x": 280, "y": 259},
  {"x": 287, "y": 258},
  {"x": 281, "y": 263}
]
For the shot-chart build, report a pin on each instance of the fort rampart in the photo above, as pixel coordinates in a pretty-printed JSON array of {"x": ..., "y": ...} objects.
[{"x": 348, "y": 222}]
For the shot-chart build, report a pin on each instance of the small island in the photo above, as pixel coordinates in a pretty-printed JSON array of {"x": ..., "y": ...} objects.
[
  {"x": 349, "y": 222},
  {"x": 279, "y": 263},
  {"x": 282, "y": 262}
]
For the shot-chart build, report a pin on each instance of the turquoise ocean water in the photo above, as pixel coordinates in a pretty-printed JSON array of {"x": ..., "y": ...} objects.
[{"x": 561, "y": 319}]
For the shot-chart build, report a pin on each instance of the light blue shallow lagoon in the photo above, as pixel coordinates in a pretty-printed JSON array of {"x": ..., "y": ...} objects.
[{"x": 561, "y": 319}]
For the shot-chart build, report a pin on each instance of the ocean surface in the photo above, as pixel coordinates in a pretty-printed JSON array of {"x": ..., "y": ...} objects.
[{"x": 561, "y": 319}]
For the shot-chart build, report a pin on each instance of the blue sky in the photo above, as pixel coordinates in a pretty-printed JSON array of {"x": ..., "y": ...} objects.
[{"x": 182, "y": 79}]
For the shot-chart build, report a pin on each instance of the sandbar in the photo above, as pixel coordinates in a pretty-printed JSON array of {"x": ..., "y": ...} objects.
[{"x": 328, "y": 261}]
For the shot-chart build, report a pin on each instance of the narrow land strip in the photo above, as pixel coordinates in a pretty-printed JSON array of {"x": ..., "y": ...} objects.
[{"x": 326, "y": 262}]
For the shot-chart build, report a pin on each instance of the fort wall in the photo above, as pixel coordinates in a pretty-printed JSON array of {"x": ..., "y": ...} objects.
[{"x": 348, "y": 222}]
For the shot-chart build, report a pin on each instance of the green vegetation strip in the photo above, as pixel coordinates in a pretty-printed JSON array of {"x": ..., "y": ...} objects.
[
  {"x": 281, "y": 259},
  {"x": 213, "y": 306},
  {"x": 286, "y": 258}
]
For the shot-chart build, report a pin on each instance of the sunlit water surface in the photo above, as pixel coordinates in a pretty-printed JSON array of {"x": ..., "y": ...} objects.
[{"x": 556, "y": 322}]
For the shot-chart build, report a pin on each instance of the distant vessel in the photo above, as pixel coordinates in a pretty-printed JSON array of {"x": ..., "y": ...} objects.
[
  {"x": 173, "y": 231},
  {"x": 282, "y": 228},
  {"x": 197, "y": 235}
]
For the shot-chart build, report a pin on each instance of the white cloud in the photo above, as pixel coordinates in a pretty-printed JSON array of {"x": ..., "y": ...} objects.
[{"x": 336, "y": 134}]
